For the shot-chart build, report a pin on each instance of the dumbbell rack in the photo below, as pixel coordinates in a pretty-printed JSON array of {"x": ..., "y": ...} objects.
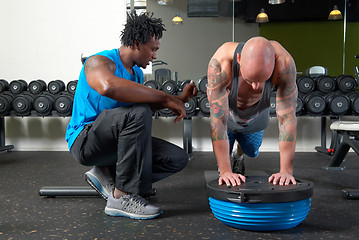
[{"x": 3, "y": 147}]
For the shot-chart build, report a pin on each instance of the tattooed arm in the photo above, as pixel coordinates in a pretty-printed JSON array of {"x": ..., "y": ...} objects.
[
  {"x": 218, "y": 99},
  {"x": 286, "y": 108}
]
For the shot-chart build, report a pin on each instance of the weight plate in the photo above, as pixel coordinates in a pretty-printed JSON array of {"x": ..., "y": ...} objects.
[
  {"x": 305, "y": 84},
  {"x": 152, "y": 84},
  {"x": 5, "y": 104},
  {"x": 165, "y": 112},
  {"x": 204, "y": 106},
  {"x": 36, "y": 87},
  {"x": 170, "y": 87},
  {"x": 43, "y": 105},
  {"x": 355, "y": 105},
  {"x": 18, "y": 86},
  {"x": 184, "y": 83},
  {"x": 190, "y": 106},
  {"x": 325, "y": 84},
  {"x": 4, "y": 85},
  {"x": 56, "y": 86},
  {"x": 339, "y": 105},
  {"x": 202, "y": 85},
  {"x": 315, "y": 105},
  {"x": 63, "y": 105},
  {"x": 346, "y": 83},
  {"x": 71, "y": 87},
  {"x": 299, "y": 105},
  {"x": 22, "y": 105}
]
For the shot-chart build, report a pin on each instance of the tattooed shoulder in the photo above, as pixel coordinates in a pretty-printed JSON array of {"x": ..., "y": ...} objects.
[{"x": 216, "y": 75}]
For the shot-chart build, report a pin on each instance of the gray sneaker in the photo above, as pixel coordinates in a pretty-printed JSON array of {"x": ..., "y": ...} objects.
[
  {"x": 101, "y": 181},
  {"x": 238, "y": 164},
  {"x": 132, "y": 206}
]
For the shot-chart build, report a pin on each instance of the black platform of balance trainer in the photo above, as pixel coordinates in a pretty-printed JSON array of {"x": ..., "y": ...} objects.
[{"x": 258, "y": 205}]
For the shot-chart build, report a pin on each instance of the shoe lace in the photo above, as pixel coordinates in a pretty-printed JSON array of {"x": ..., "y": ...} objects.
[
  {"x": 135, "y": 203},
  {"x": 138, "y": 199}
]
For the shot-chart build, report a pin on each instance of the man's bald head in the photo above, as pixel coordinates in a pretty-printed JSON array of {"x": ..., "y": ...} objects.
[{"x": 257, "y": 60}]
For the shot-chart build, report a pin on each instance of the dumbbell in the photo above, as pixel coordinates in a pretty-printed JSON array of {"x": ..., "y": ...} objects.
[
  {"x": 299, "y": 108},
  {"x": 71, "y": 86},
  {"x": 202, "y": 84},
  {"x": 203, "y": 105},
  {"x": 4, "y": 85},
  {"x": 5, "y": 103},
  {"x": 314, "y": 103},
  {"x": 44, "y": 104},
  {"x": 325, "y": 83},
  {"x": 18, "y": 86},
  {"x": 165, "y": 112},
  {"x": 190, "y": 107},
  {"x": 22, "y": 103},
  {"x": 63, "y": 104},
  {"x": 184, "y": 83},
  {"x": 305, "y": 84},
  {"x": 153, "y": 84},
  {"x": 337, "y": 103},
  {"x": 170, "y": 87},
  {"x": 56, "y": 87},
  {"x": 272, "y": 103},
  {"x": 354, "y": 102},
  {"x": 37, "y": 86},
  {"x": 346, "y": 83}
]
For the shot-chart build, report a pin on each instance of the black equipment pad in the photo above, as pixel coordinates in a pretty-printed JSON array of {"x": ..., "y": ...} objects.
[{"x": 257, "y": 189}]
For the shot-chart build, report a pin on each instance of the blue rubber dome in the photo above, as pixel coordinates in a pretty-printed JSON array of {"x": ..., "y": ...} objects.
[
  {"x": 260, "y": 216},
  {"x": 258, "y": 205}
]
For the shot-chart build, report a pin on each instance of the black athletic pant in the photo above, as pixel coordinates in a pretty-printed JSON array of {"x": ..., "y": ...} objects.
[{"x": 121, "y": 139}]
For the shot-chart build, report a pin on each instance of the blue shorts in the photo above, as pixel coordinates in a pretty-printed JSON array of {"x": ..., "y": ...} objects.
[{"x": 249, "y": 143}]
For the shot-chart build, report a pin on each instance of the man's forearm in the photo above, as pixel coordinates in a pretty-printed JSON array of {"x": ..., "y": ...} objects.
[{"x": 287, "y": 143}]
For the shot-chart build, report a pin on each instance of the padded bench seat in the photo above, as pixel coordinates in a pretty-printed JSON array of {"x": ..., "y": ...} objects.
[
  {"x": 345, "y": 126},
  {"x": 350, "y": 132}
]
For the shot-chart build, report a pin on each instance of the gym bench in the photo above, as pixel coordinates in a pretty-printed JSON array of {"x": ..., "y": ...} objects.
[{"x": 350, "y": 132}]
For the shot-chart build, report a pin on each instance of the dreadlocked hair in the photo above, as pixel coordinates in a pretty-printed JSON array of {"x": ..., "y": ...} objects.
[{"x": 141, "y": 28}]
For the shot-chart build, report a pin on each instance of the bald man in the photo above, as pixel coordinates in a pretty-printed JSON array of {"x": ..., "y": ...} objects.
[{"x": 241, "y": 77}]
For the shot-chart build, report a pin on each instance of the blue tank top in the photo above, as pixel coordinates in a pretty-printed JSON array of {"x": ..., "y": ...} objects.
[
  {"x": 88, "y": 103},
  {"x": 255, "y": 118}
]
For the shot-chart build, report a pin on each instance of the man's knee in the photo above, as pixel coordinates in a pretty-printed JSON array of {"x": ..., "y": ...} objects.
[
  {"x": 142, "y": 111},
  {"x": 175, "y": 162},
  {"x": 140, "y": 114},
  {"x": 252, "y": 153},
  {"x": 138, "y": 110},
  {"x": 180, "y": 161}
]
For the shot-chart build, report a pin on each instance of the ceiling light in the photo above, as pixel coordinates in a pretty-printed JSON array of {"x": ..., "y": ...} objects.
[
  {"x": 276, "y": 1},
  {"x": 335, "y": 14},
  {"x": 262, "y": 17},
  {"x": 164, "y": 2},
  {"x": 177, "y": 20}
]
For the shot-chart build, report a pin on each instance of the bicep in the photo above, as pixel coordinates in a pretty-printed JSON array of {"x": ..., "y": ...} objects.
[
  {"x": 287, "y": 91},
  {"x": 99, "y": 70}
]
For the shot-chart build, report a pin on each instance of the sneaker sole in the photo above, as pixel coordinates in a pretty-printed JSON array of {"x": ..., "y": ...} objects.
[
  {"x": 95, "y": 184},
  {"x": 113, "y": 212}
]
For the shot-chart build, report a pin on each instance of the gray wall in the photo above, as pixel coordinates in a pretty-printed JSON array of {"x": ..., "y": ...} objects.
[{"x": 188, "y": 48}]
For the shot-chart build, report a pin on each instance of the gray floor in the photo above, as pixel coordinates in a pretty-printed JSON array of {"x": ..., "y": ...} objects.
[{"x": 183, "y": 198}]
